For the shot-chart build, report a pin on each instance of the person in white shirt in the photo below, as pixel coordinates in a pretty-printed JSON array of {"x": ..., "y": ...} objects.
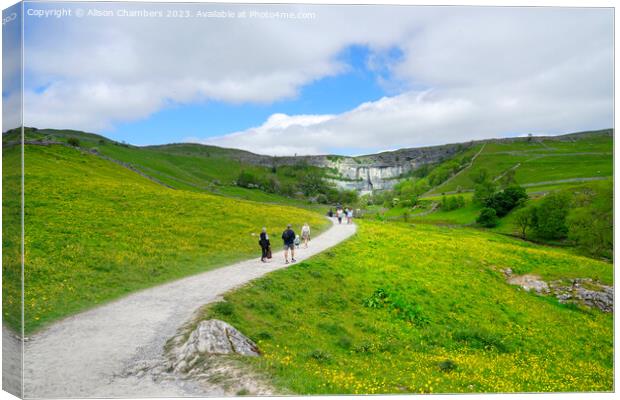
[{"x": 305, "y": 234}]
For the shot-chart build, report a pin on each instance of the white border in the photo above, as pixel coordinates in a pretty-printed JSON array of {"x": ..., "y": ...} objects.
[{"x": 509, "y": 3}]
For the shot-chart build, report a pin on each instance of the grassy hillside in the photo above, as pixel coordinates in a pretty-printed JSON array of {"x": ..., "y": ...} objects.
[
  {"x": 189, "y": 167},
  {"x": 11, "y": 237},
  {"x": 541, "y": 160},
  {"x": 96, "y": 231},
  {"x": 424, "y": 309}
]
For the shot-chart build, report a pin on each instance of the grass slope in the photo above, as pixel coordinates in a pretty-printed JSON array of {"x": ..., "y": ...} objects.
[
  {"x": 541, "y": 160},
  {"x": 191, "y": 167},
  {"x": 424, "y": 309},
  {"x": 96, "y": 231}
]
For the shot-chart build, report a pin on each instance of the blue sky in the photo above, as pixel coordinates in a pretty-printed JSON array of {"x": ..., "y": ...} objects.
[
  {"x": 349, "y": 80},
  {"x": 329, "y": 95}
]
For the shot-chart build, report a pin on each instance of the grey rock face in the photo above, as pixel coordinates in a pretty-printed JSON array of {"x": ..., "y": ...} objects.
[
  {"x": 382, "y": 170},
  {"x": 583, "y": 291},
  {"x": 213, "y": 337},
  {"x": 364, "y": 173}
]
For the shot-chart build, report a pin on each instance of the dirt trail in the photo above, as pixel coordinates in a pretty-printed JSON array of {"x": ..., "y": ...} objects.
[{"x": 87, "y": 354}]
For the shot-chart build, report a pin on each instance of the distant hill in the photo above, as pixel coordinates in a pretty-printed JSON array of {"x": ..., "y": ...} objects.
[
  {"x": 537, "y": 161},
  {"x": 202, "y": 167}
]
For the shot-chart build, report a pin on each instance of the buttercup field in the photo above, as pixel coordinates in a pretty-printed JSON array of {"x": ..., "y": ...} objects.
[{"x": 306, "y": 199}]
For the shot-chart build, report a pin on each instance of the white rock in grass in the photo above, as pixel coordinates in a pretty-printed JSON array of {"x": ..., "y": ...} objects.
[{"x": 215, "y": 337}]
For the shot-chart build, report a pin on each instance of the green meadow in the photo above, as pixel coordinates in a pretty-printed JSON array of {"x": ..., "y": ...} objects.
[
  {"x": 415, "y": 302},
  {"x": 404, "y": 308},
  {"x": 96, "y": 231}
]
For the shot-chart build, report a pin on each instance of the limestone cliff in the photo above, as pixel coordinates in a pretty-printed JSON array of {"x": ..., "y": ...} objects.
[{"x": 369, "y": 172}]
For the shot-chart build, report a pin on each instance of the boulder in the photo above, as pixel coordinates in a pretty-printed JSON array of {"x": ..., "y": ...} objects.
[{"x": 214, "y": 337}]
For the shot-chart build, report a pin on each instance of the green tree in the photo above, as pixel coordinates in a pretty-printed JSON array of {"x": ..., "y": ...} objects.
[
  {"x": 311, "y": 183},
  {"x": 452, "y": 202},
  {"x": 550, "y": 216},
  {"x": 247, "y": 180},
  {"x": 484, "y": 187},
  {"x": 483, "y": 191},
  {"x": 487, "y": 218},
  {"x": 590, "y": 226},
  {"x": 503, "y": 202},
  {"x": 524, "y": 220}
]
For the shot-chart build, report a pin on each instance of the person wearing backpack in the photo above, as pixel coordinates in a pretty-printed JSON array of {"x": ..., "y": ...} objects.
[
  {"x": 265, "y": 246},
  {"x": 288, "y": 236}
]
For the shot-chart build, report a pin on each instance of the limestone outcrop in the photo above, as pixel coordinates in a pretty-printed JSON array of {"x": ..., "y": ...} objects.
[{"x": 213, "y": 337}]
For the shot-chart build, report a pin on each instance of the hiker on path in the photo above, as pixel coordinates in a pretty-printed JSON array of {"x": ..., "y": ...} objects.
[
  {"x": 265, "y": 246},
  {"x": 288, "y": 236},
  {"x": 349, "y": 215},
  {"x": 339, "y": 215},
  {"x": 330, "y": 213},
  {"x": 305, "y": 234}
]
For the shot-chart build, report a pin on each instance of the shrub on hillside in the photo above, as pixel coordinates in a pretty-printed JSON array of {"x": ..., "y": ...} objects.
[
  {"x": 452, "y": 203},
  {"x": 487, "y": 218},
  {"x": 549, "y": 219},
  {"x": 483, "y": 191},
  {"x": 590, "y": 226},
  {"x": 311, "y": 183},
  {"x": 75, "y": 142},
  {"x": 591, "y": 231},
  {"x": 484, "y": 187},
  {"x": 271, "y": 185},
  {"x": 407, "y": 203},
  {"x": 503, "y": 202},
  {"x": 287, "y": 189},
  {"x": 247, "y": 180}
]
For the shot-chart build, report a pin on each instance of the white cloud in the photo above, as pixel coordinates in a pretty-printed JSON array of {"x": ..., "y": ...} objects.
[
  {"x": 465, "y": 73},
  {"x": 417, "y": 119},
  {"x": 493, "y": 72},
  {"x": 281, "y": 134},
  {"x": 100, "y": 71}
]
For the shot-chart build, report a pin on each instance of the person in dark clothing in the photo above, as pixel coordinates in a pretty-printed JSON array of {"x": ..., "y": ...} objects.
[
  {"x": 330, "y": 213},
  {"x": 264, "y": 245},
  {"x": 288, "y": 236}
]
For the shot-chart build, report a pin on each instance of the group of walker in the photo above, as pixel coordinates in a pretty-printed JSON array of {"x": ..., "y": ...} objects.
[
  {"x": 341, "y": 214},
  {"x": 290, "y": 239}
]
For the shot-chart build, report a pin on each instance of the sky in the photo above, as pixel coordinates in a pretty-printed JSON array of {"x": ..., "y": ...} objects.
[{"x": 335, "y": 79}]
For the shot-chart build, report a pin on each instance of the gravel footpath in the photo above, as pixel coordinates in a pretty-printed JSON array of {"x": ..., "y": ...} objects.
[{"x": 88, "y": 354}]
